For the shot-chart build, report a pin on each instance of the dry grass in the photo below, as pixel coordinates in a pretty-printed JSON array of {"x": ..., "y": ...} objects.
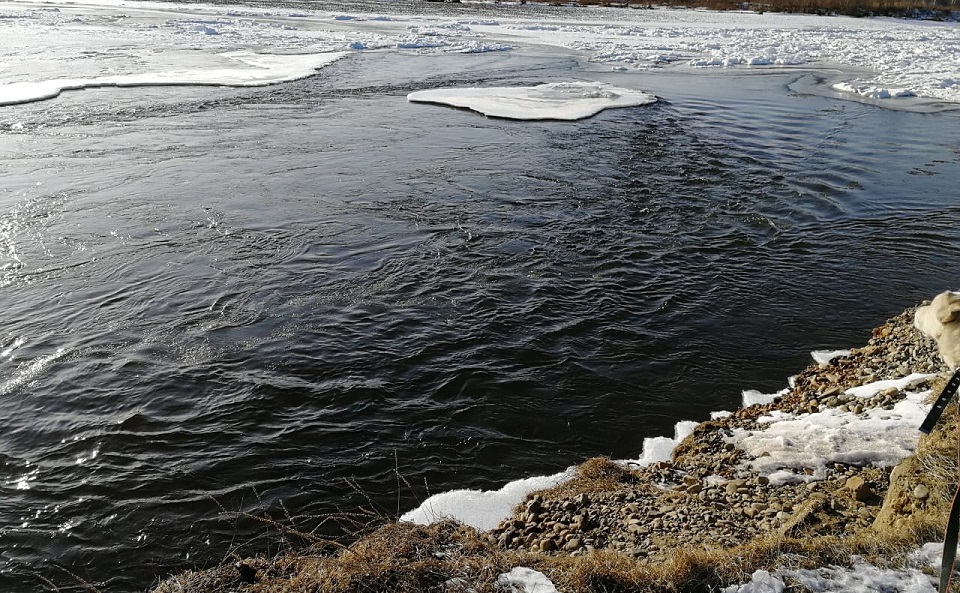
[
  {"x": 702, "y": 570},
  {"x": 406, "y": 558},
  {"x": 934, "y": 467},
  {"x": 598, "y": 474},
  {"x": 398, "y": 557}
]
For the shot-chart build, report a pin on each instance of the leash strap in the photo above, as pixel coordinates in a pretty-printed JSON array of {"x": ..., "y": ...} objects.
[
  {"x": 941, "y": 404},
  {"x": 950, "y": 544},
  {"x": 953, "y": 521}
]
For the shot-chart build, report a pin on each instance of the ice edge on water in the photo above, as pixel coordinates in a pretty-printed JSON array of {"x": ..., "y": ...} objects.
[{"x": 262, "y": 70}]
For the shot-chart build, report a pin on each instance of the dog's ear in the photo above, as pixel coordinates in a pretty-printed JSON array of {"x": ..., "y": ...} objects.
[{"x": 950, "y": 313}]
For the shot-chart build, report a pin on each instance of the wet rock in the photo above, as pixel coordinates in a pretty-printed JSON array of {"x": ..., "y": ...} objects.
[{"x": 246, "y": 571}]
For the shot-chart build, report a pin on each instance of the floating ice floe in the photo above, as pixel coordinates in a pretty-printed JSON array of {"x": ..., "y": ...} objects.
[
  {"x": 557, "y": 100},
  {"x": 257, "y": 70}
]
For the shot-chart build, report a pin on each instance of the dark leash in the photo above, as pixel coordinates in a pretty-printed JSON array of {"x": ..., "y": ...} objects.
[{"x": 953, "y": 521}]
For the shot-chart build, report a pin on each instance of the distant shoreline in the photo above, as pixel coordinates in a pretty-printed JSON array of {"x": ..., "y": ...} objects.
[{"x": 940, "y": 10}]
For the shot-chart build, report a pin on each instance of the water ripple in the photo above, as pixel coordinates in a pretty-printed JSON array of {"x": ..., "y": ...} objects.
[{"x": 207, "y": 313}]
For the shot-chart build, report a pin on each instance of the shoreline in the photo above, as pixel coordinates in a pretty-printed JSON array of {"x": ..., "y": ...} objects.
[{"x": 716, "y": 503}]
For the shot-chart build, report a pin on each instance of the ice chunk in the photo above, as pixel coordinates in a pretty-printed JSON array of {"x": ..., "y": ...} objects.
[{"x": 558, "y": 100}]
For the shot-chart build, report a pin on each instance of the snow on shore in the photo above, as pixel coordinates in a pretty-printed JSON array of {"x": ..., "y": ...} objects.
[
  {"x": 483, "y": 509},
  {"x": 52, "y": 46},
  {"x": 877, "y": 437}
]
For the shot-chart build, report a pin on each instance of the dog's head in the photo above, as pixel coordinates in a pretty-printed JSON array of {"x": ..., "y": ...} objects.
[{"x": 942, "y": 311}]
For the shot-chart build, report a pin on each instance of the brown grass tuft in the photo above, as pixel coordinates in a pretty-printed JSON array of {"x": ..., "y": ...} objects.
[{"x": 598, "y": 474}]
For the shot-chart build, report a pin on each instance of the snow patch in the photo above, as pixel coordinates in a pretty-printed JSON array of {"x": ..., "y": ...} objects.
[
  {"x": 260, "y": 70},
  {"x": 525, "y": 580},
  {"x": 752, "y": 397},
  {"x": 483, "y": 509},
  {"x": 799, "y": 447},
  {"x": 826, "y": 356}
]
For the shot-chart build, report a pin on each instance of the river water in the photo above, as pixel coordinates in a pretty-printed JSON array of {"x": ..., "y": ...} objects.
[{"x": 312, "y": 297}]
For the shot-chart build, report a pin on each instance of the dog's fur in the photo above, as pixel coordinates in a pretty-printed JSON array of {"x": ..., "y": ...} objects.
[{"x": 940, "y": 320}]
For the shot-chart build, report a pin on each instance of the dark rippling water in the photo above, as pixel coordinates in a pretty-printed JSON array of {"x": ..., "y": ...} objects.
[{"x": 221, "y": 300}]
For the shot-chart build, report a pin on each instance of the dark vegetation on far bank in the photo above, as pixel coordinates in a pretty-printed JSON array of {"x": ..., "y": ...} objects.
[{"x": 920, "y": 9}]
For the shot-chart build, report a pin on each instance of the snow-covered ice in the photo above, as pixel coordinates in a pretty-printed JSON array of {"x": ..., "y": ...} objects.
[
  {"x": 861, "y": 578},
  {"x": 657, "y": 449},
  {"x": 825, "y": 356},
  {"x": 556, "y": 100},
  {"x": 250, "y": 69},
  {"x": 483, "y": 509},
  {"x": 752, "y": 397},
  {"x": 799, "y": 448},
  {"x": 872, "y": 389}
]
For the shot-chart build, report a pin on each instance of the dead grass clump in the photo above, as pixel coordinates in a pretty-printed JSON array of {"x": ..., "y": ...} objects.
[
  {"x": 775, "y": 551},
  {"x": 204, "y": 581},
  {"x": 693, "y": 570},
  {"x": 406, "y": 557},
  {"x": 921, "y": 487},
  {"x": 602, "y": 570},
  {"x": 598, "y": 474},
  {"x": 399, "y": 557}
]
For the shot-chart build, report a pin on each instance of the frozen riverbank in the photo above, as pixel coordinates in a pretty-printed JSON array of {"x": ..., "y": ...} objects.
[{"x": 809, "y": 474}]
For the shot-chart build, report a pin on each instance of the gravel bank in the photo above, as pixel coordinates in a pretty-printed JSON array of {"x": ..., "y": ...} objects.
[{"x": 705, "y": 497}]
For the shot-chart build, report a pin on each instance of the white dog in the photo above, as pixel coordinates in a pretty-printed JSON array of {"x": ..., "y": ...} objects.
[{"x": 940, "y": 320}]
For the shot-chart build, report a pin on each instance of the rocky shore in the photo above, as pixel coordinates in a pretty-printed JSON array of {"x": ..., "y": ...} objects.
[
  {"x": 705, "y": 497},
  {"x": 641, "y": 520}
]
